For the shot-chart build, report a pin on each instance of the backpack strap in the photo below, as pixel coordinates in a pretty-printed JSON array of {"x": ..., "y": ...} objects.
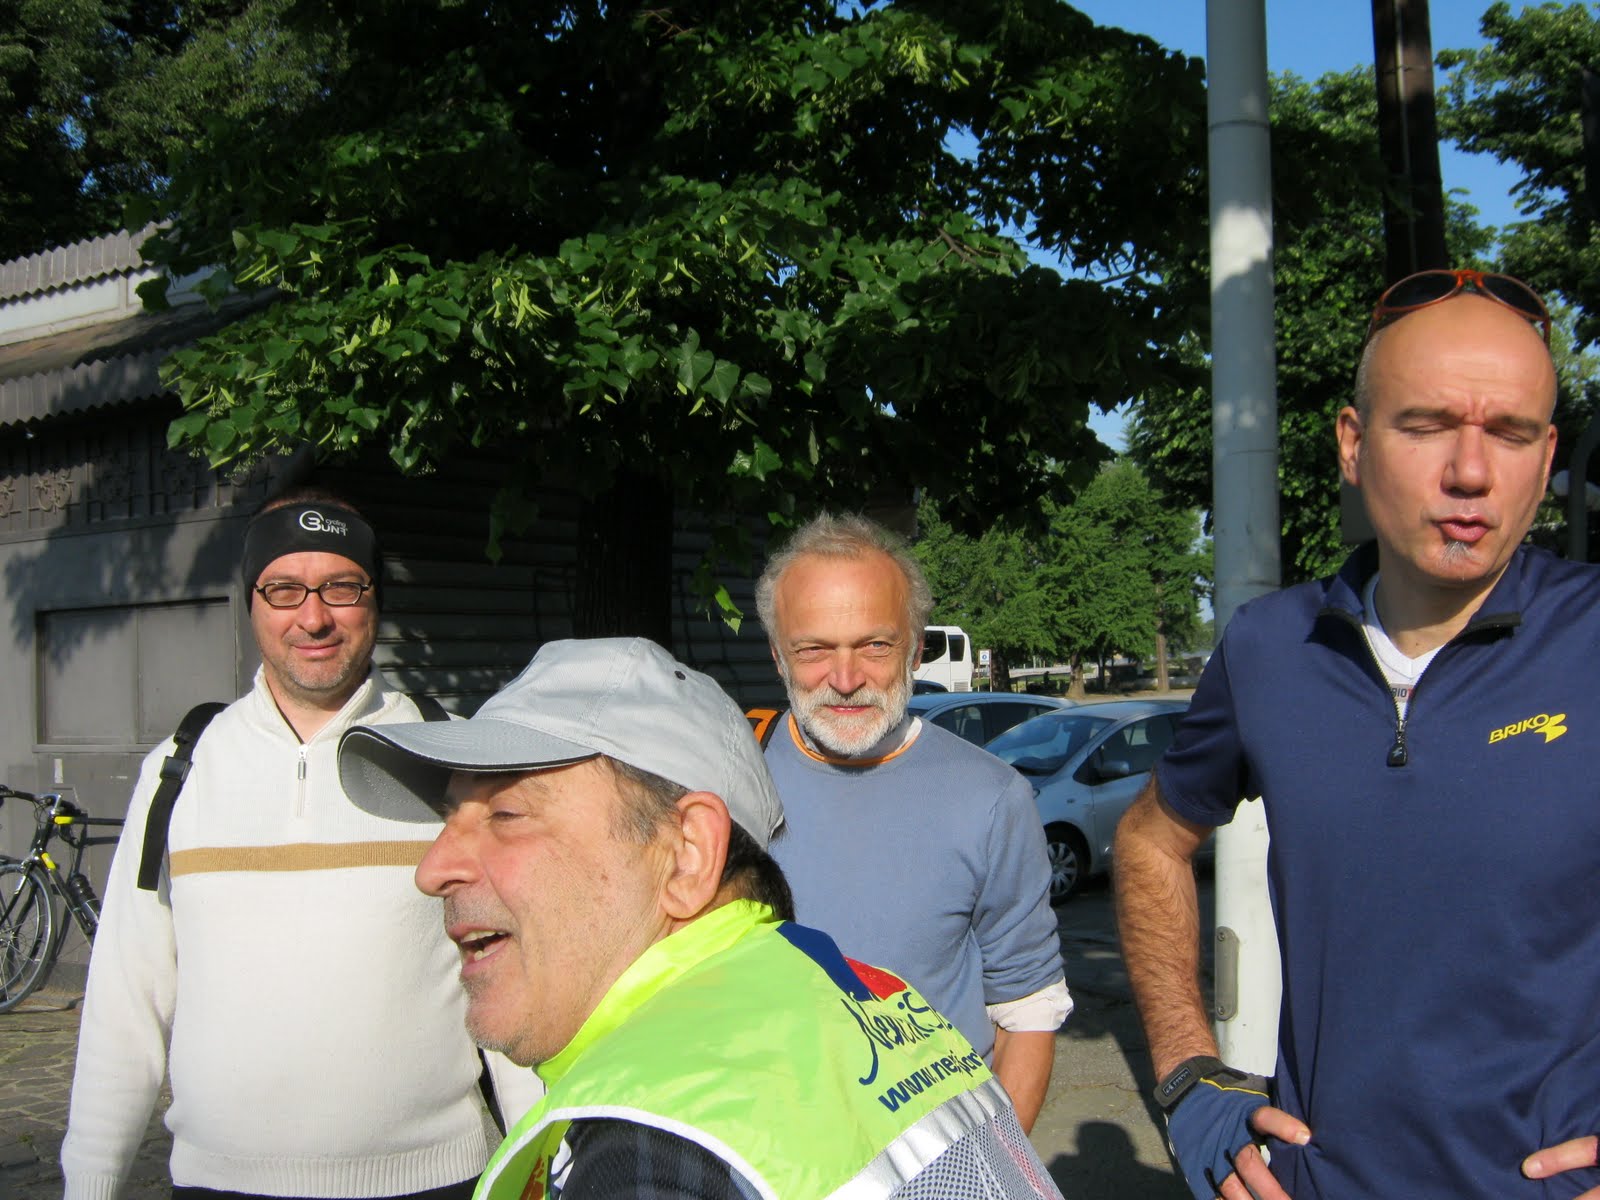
[
  {"x": 174, "y": 770},
  {"x": 427, "y": 707},
  {"x": 486, "y": 1089}
]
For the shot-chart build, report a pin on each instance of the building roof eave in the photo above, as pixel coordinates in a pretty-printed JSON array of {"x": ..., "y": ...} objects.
[{"x": 104, "y": 365}]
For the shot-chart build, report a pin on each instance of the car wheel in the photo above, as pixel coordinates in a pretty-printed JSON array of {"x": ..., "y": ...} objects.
[{"x": 1069, "y": 861}]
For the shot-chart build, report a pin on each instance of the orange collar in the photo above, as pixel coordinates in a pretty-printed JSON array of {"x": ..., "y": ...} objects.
[{"x": 800, "y": 744}]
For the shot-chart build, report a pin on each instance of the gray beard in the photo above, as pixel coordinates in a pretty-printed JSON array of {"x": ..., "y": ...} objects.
[{"x": 809, "y": 707}]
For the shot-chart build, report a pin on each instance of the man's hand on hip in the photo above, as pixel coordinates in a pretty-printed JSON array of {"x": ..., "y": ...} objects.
[
  {"x": 1214, "y": 1132},
  {"x": 1566, "y": 1156}
]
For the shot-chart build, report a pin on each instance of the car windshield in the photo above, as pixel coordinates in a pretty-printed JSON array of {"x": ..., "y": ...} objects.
[{"x": 1041, "y": 746}]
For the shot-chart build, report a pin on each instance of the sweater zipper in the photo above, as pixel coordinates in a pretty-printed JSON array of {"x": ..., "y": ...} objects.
[{"x": 300, "y": 784}]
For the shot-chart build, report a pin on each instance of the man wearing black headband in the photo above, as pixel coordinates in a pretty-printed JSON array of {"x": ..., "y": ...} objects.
[
  {"x": 284, "y": 969},
  {"x": 314, "y": 652},
  {"x": 1420, "y": 728}
]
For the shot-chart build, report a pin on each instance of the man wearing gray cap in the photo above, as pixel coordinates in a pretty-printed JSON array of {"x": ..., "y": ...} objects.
[{"x": 604, "y": 871}]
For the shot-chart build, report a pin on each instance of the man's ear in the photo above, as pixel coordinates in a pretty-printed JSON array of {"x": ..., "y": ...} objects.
[
  {"x": 1350, "y": 432},
  {"x": 699, "y": 853}
]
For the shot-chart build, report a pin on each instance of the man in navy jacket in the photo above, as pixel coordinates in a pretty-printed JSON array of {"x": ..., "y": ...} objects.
[{"x": 1435, "y": 832}]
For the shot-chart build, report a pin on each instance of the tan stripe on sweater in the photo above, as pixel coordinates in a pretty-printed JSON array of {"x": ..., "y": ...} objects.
[{"x": 298, "y": 856}]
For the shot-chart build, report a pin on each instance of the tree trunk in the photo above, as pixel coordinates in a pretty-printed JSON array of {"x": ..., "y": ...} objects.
[
  {"x": 999, "y": 673},
  {"x": 1161, "y": 638},
  {"x": 624, "y": 570},
  {"x": 1408, "y": 134},
  {"x": 1590, "y": 90},
  {"x": 1075, "y": 689}
]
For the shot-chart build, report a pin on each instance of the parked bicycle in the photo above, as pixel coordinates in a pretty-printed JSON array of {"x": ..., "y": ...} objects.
[{"x": 30, "y": 933}]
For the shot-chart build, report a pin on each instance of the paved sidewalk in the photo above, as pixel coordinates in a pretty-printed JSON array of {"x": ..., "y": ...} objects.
[
  {"x": 1098, "y": 1133},
  {"x": 38, "y": 1045}
]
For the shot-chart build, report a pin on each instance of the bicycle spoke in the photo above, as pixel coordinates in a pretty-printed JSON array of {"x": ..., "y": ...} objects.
[{"x": 26, "y": 933}]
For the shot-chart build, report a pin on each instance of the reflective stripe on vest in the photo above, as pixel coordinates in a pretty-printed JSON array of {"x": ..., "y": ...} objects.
[
  {"x": 906, "y": 1157},
  {"x": 812, "y": 1076}
]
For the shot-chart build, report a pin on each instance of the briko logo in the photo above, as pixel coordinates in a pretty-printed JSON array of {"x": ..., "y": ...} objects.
[
  {"x": 314, "y": 522},
  {"x": 1552, "y": 725}
]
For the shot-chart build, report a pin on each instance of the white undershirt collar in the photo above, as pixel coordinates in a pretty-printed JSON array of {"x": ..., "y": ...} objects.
[{"x": 1400, "y": 670}]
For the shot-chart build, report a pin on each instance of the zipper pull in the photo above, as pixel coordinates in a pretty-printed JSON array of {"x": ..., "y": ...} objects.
[
  {"x": 300, "y": 771},
  {"x": 1397, "y": 752}
]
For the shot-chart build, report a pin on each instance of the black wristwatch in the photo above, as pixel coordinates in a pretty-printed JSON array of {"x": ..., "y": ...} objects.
[{"x": 1181, "y": 1080}]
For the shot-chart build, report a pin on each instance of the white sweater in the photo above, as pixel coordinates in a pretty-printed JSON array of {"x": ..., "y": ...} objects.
[{"x": 317, "y": 1045}]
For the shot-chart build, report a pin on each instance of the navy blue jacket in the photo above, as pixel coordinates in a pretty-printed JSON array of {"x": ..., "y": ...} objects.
[{"x": 1436, "y": 886}]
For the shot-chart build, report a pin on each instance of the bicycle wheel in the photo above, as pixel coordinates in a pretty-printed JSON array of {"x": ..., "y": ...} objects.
[{"x": 27, "y": 933}]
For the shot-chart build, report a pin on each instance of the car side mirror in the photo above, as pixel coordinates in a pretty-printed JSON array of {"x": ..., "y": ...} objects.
[{"x": 1115, "y": 768}]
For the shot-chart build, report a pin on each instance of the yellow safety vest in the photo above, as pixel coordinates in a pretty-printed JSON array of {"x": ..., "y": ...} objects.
[{"x": 810, "y": 1074}]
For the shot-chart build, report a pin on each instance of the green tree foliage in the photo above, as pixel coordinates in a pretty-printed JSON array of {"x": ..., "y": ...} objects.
[
  {"x": 1123, "y": 560},
  {"x": 186, "y": 70},
  {"x": 768, "y": 253},
  {"x": 995, "y": 586},
  {"x": 97, "y": 95},
  {"x": 1106, "y": 605},
  {"x": 1519, "y": 98},
  {"x": 1114, "y": 572},
  {"x": 1328, "y": 182},
  {"x": 49, "y": 49}
]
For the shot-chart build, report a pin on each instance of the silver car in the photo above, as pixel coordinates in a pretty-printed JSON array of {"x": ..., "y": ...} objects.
[
  {"x": 1086, "y": 765},
  {"x": 980, "y": 717}
]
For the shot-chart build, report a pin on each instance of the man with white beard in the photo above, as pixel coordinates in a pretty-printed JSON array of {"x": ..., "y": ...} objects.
[{"x": 913, "y": 848}]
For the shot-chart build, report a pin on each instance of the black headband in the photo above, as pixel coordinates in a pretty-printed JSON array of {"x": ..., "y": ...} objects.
[{"x": 296, "y": 528}]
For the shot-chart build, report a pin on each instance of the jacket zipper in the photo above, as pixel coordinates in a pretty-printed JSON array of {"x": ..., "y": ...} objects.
[
  {"x": 1399, "y": 754},
  {"x": 1397, "y": 751},
  {"x": 300, "y": 784}
]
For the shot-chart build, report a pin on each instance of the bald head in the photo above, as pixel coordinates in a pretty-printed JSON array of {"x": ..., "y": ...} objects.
[{"x": 1466, "y": 320}]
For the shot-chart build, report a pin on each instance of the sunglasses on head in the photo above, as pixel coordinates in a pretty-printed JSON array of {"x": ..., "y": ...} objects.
[{"x": 1431, "y": 287}]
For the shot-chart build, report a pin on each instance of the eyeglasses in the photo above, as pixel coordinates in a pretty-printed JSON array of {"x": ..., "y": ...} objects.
[
  {"x": 1430, "y": 287},
  {"x": 336, "y": 593}
]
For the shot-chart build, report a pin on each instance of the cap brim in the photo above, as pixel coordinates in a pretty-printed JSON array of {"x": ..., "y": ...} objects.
[{"x": 400, "y": 771}]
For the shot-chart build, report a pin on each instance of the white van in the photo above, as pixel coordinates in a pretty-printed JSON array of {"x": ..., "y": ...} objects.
[{"x": 946, "y": 657}]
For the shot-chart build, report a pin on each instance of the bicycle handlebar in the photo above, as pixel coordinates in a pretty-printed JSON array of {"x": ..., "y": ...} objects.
[{"x": 55, "y": 808}]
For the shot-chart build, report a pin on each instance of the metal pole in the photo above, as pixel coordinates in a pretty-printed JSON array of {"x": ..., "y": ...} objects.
[{"x": 1244, "y": 424}]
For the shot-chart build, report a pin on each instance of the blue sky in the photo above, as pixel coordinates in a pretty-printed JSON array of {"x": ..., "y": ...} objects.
[{"x": 1311, "y": 38}]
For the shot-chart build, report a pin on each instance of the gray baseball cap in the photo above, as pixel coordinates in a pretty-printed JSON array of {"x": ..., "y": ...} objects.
[{"x": 626, "y": 698}]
